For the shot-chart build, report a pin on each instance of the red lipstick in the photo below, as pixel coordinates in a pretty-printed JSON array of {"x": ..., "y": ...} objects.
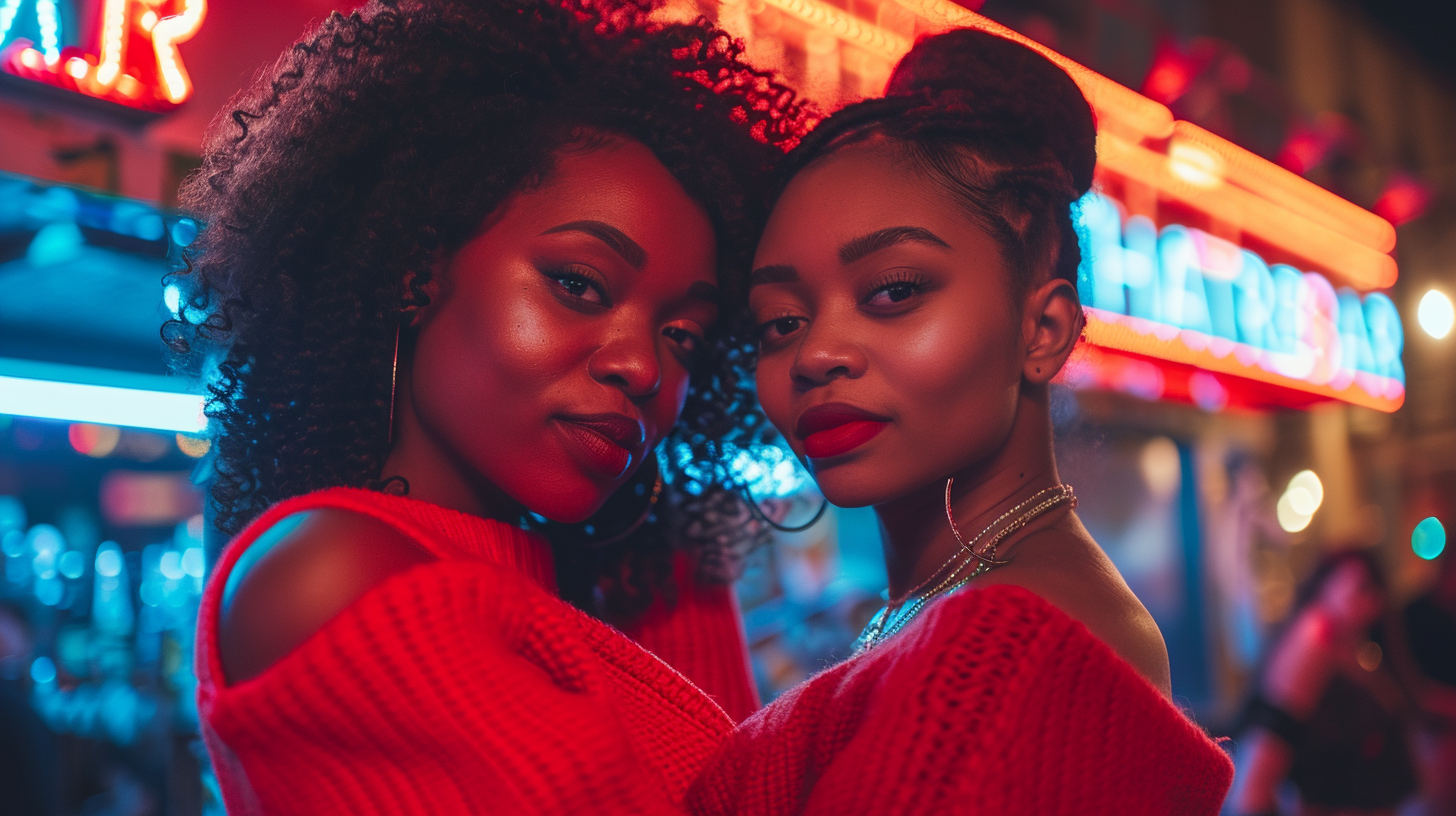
[
  {"x": 605, "y": 442},
  {"x": 836, "y": 428}
]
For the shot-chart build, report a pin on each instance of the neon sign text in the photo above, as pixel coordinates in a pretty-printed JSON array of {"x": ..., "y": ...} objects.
[
  {"x": 1231, "y": 311},
  {"x": 134, "y": 62}
]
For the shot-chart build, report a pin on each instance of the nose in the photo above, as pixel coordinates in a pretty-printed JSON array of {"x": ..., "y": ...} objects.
[
  {"x": 628, "y": 361},
  {"x": 825, "y": 355}
]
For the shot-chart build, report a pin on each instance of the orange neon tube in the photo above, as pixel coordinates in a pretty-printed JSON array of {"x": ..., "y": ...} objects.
[
  {"x": 1332, "y": 252},
  {"x": 1295, "y": 193},
  {"x": 176, "y": 85},
  {"x": 1106, "y": 334},
  {"x": 846, "y": 27}
]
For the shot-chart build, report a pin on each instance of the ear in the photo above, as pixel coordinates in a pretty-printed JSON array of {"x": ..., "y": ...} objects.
[
  {"x": 416, "y": 316},
  {"x": 1052, "y": 325}
]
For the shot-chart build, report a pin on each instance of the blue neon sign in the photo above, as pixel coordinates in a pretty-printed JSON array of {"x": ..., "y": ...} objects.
[{"x": 1214, "y": 294}]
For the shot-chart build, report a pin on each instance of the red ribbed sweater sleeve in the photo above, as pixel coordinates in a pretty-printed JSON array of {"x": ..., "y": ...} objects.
[
  {"x": 453, "y": 688},
  {"x": 701, "y": 635},
  {"x": 994, "y": 702}
]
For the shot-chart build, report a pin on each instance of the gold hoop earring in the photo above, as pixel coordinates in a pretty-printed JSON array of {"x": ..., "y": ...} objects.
[
  {"x": 393, "y": 380},
  {"x": 586, "y": 533},
  {"x": 763, "y": 517},
  {"x": 641, "y": 519}
]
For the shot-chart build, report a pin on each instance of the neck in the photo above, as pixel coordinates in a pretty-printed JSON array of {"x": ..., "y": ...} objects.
[
  {"x": 918, "y": 539},
  {"x": 435, "y": 472}
]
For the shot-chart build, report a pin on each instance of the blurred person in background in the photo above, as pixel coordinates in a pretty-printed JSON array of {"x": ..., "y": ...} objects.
[
  {"x": 1428, "y": 668},
  {"x": 29, "y": 764},
  {"x": 1326, "y": 713}
]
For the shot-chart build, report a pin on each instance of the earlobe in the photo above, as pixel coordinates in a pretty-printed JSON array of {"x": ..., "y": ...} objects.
[
  {"x": 1054, "y": 324},
  {"x": 414, "y": 316}
]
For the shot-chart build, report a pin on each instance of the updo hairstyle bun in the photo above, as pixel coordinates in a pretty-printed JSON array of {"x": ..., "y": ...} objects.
[{"x": 1000, "y": 127}]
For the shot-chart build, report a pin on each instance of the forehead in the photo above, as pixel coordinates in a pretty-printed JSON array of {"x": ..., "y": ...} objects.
[
  {"x": 621, "y": 183},
  {"x": 856, "y": 191}
]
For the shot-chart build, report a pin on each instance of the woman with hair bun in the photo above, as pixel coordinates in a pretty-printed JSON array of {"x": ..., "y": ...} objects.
[
  {"x": 915, "y": 292},
  {"x": 466, "y": 268}
]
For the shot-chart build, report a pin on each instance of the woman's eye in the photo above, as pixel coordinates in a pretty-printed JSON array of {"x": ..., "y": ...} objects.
[
  {"x": 779, "y": 328},
  {"x": 893, "y": 293},
  {"x": 687, "y": 340},
  {"x": 578, "y": 283}
]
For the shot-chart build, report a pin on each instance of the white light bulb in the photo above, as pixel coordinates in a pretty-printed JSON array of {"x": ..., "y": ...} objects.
[
  {"x": 1290, "y": 519},
  {"x": 1436, "y": 314},
  {"x": 1313, "y": 492}
]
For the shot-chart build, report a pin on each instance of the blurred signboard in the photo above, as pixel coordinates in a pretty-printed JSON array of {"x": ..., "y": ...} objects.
[{"x": 131, "y": 58}]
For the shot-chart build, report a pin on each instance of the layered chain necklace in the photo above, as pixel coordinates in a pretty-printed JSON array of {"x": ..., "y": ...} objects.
[{"x": 897, "y": 614}]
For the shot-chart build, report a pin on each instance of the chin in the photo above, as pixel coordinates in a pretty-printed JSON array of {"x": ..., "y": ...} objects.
[
  {"x": 568, "y": 501},
  {"x": 852, "y": 486}
]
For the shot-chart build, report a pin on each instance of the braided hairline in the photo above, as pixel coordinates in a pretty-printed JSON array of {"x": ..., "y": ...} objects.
[{"x": 1018, "y": 192}]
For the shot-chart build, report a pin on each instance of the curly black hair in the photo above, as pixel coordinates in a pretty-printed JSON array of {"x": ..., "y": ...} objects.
[
  {"x": 380, "y": 142},
  {"x": 1003, "y": 130}
]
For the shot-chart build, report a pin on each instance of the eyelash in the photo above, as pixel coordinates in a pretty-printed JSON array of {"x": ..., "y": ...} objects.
[
  {"x": 905, "y": 278},
  {"x": 763, "y": 328},
  {"x": 693, "y": 345},
  {"x": 579, "y": 273}
]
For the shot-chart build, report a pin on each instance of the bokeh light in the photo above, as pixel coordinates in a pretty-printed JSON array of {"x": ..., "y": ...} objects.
[
  {"x": 73, "y": 564},
  {"x": 1436, "y": 314},
  {"x": 1160, "y": 466},
  {"x": 1291, "y": 520},
  {"x": 95, "y": 441},
  {"x": 43, "y": 670},
  {"x": 172, "y": 297},
  {"x": 193, "y": 446},
  {"x": 108, "y": 561},
  {"x": 1303, "y": 496},
  {"x": 1428, "y": 539}
]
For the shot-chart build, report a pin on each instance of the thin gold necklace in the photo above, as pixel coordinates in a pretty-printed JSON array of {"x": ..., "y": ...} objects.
[{"x": 896, "y": 615}]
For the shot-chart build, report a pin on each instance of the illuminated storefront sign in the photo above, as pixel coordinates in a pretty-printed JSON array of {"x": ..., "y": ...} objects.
[
  {"x": 1218, "y": 276},
  {"x": 1182, "y": 295},
  {"x": 133, "y": 60}
]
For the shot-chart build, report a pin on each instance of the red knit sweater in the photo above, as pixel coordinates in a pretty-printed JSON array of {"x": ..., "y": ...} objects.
[
  {"x": 993, "y": 702},
  {"x": 465, "y": 686}
]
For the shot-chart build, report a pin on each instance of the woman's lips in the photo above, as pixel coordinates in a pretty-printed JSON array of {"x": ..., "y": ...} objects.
[
  {"x": 842, "y": 438},
  {"x": 603, "y": 441},
  {"x": 836, "y": 428}
]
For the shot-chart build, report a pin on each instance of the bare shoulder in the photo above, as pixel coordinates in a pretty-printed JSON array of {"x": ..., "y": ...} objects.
[
  {"x": 1073, "y": 574},
  {"x": 299, "y": 574}
]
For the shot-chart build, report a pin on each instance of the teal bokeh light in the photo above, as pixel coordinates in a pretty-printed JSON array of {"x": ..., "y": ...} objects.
[{"x": 1428, "y": 539}]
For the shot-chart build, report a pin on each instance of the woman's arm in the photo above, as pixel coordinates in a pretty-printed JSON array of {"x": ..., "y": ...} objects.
[
  {"x": 1263, "y": 761},
  {"x": 1295, "y": 678}
]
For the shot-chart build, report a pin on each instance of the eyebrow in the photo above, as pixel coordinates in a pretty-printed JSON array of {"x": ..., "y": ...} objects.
[
  {"x": 856, "y": 248},
  {"x": 773, "y": 273},
  {"x": 631, "y": 251}
]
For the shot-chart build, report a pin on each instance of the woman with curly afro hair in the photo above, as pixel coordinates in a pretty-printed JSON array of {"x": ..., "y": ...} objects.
[{"x": 468, "y": 268}]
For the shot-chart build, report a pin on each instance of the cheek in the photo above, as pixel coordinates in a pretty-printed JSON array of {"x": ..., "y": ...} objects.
[
  {"x": 665, "y": 410},
  {"x": 774, "y": 384},
  {"x": 502, "y": 339},
  {"x": 488, "y": 373},
  {"x": 953, "y": 376}
]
